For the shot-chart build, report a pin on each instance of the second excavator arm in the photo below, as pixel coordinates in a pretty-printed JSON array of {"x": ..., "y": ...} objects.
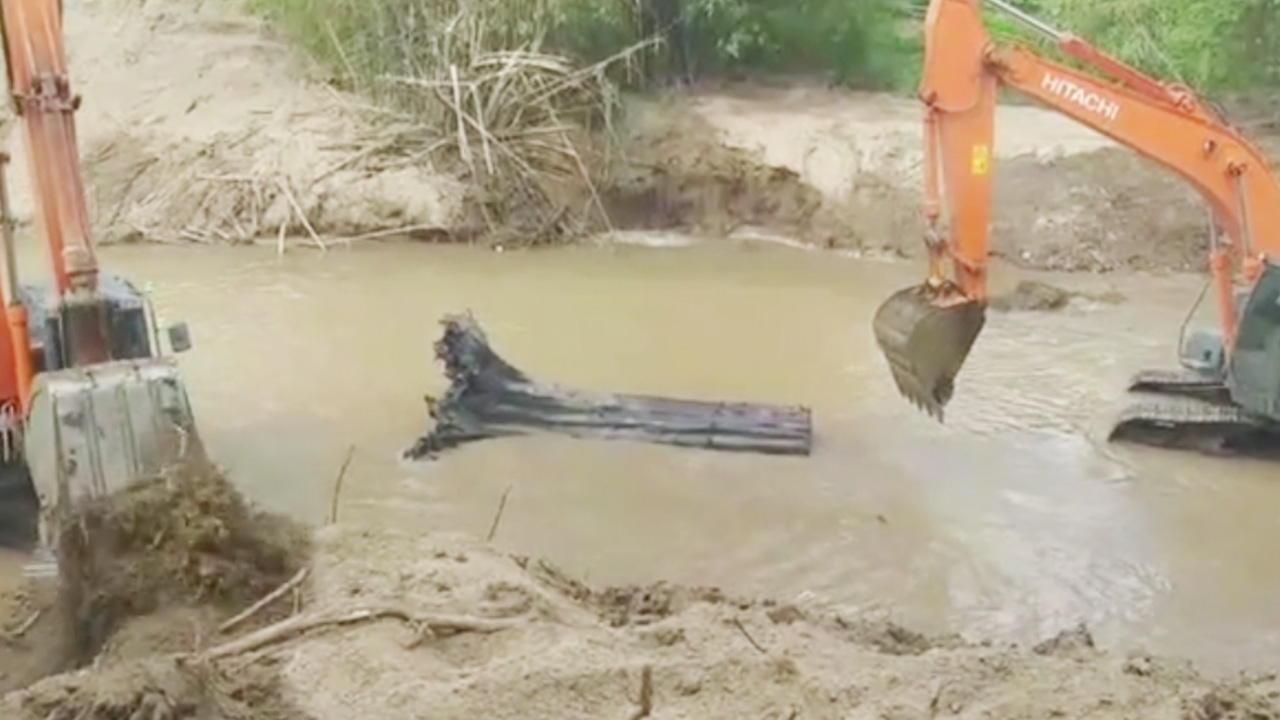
[
  {"x": 41, "y": 93},
  {"x": 926, "y": 331}
]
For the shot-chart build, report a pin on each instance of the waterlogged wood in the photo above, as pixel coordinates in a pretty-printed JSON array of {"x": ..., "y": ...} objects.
[{"x": 488, "y": 398}]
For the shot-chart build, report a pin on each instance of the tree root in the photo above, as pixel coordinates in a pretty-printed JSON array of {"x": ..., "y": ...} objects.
[{"x": 286, "y": 630}]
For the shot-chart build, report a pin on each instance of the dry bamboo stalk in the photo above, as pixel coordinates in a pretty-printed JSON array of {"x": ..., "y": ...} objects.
[
  {"x": 302, "y": 216},
  {"x": 463, "y": 147},
  {"x": 266, "y": 600}
]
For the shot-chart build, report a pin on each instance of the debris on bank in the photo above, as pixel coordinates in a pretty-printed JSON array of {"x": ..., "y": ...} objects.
[
  {"x": 387, "y": 623},
  {"x": 1036, "y": 296},
  {"x": 487, "y": 397}
]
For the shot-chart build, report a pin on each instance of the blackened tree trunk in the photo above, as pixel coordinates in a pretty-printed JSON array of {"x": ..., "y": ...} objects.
[{"x": 488, "y": 398}]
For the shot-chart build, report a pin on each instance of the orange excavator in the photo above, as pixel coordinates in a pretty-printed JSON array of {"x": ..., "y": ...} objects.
[
  {"x": 1225, "y": 398},
  {"x": 88, "y": 402}
]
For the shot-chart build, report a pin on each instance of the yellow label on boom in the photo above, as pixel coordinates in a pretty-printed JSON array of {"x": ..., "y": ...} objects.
[{"x": 980, "y": 160}]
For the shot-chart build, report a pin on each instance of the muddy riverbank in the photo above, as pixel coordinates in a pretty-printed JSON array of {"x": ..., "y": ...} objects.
[
  {"x": 384, "y": 623},
  {"x": 199, "y": 127}
]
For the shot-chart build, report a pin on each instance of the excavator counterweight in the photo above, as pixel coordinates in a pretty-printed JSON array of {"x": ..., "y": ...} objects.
[{"x": 1226, "y": 398}]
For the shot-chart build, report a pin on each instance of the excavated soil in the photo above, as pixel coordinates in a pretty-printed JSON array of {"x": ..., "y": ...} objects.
[
  {"x": 1037, "y": 296},
  {"x": 1080, "y": 206},
  {"x": 1065, "y": 198},
  {"x": 391, "y": 625},
  {"x": 154, "y": 569},
  {"x": 188, "y": 540}
]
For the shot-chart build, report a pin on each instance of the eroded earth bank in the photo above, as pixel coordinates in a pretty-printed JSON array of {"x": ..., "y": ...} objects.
[{"x": 199, "y": 126}]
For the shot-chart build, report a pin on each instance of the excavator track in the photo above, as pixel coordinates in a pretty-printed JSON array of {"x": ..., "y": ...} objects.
[
  {"x": 1183, "y": 383},
  {"x": 1199, "y": 425}
]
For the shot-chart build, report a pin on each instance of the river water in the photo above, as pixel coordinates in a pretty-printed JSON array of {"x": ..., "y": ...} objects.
[{"x": 1012, "y": 521}]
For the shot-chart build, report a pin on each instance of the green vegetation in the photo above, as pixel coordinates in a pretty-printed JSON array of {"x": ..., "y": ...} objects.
[
  {"x": 863, "y": 43},
  {"x": 1214, "y": 45},
  {"x": 1211, "y": 45}
]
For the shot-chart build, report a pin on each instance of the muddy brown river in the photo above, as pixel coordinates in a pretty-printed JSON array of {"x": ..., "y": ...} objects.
[{"x": 1011, "y": 521}]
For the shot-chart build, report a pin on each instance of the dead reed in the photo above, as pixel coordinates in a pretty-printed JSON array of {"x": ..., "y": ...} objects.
[
  {"x": 531, "y": 131},
  {"x": 444, "y": 86}
]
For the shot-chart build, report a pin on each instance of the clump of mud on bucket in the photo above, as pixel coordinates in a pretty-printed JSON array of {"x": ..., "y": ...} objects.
[{"x": 185, "y": 539}]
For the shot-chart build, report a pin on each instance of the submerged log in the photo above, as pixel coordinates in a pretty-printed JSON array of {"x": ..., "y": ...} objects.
[{"x": 488, "y": 398}]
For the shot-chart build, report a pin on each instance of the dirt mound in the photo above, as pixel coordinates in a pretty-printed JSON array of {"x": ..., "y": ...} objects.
[
  {"x": 151, "y": 570},
  {"x": 146, "y": 577},
  {"x": 161, "y": 688},
  {"x": 1097, "y": 210},
  {"x": 1036, "y": 296},
  {"x": 188, "y": 539},
  {"x": 234, "y": 139},
  {"x": 394, "y": 623},
  {"x": 1065, "y": 197},
  {"x": 237, "y": 140},
  {"x": 1107, "y": 209},
  {"x": 678, "y": 174}
]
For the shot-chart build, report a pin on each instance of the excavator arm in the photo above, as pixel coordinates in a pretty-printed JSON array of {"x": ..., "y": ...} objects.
[
  {"x": 926, "y": 331},
  {"x": 40, "y": 89},
  {"x": 41, "y": 93}
]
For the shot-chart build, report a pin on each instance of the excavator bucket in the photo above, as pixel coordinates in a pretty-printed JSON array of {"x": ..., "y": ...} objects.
[
  {"x": 926, "y": 336},
  {"x": 96, "y": 429}
]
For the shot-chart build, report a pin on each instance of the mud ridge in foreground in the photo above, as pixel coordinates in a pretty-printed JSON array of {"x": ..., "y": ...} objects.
[{"x": 384, "y": 625}]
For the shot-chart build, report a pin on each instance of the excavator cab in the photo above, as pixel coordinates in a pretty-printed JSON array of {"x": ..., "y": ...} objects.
[{"x": 1253, "y": 376}]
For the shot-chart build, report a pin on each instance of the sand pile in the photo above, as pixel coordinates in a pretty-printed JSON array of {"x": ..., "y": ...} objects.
[{"x": 394, "y": 625}]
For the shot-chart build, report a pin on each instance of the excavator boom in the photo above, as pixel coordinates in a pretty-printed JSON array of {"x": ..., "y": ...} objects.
[{"x": 926, "y": 331}]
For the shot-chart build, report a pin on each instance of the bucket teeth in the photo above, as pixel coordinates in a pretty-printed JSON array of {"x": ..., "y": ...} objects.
[
  {"x": 910, "y": 388},
  {"x": 926, "y": 343}
]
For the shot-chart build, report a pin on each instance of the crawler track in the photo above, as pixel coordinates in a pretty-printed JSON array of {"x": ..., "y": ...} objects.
[
  {"x": 1176, "y": 420},
  {"x": 1183, "y": 383}
]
